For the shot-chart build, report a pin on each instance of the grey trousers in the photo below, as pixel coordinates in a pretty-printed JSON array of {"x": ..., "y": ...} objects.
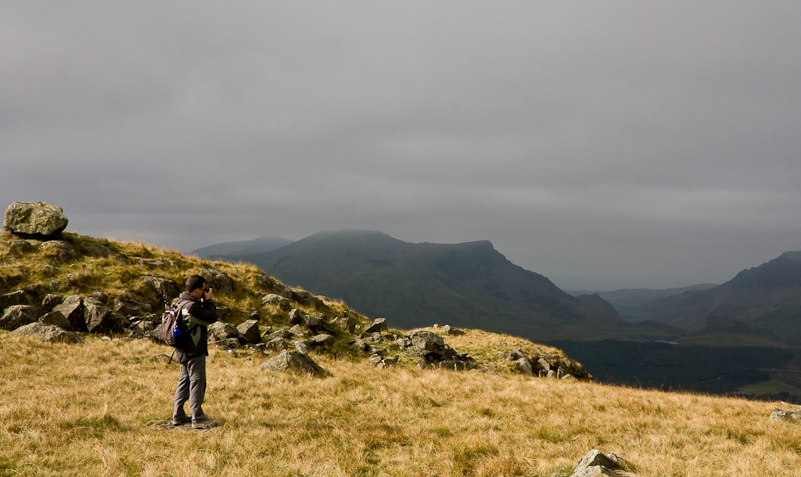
[{"x": 192, "y": 388}]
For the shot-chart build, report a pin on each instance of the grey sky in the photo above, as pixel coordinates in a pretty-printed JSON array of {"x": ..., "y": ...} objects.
[{"x": 602, "y": 144}]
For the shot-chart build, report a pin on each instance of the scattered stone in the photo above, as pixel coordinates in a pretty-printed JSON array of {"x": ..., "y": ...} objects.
[
  {"x": 100, "y": 319},
  {"x": 221, "y": 331},
  {"x": 451, "y": 331},
  {"x": 59, "y": 250},
  {"x": 51, "y": 301},
  {"x": 49, "y": 333},
  {"x": 276, "y": 300},
  {"x": 297, "y": 330},
  {"x": 56, "y": 318},
  {"x": 293, "y": 360},
  {"x": 35, "y": 218},
  {"x": 786, "y": 416},
  {"x": 72, "y": 308},
  {"x": 379, "y": 325},
  {"x": 295, "y": 316},
  {"x": 346, "y": 323},
  {"x": 162, "y": 285},
  {"x": 322, "y": 340},
  {"x": 303, "y": 346},
  {"x": 597, "y": 463},
  {"x": 14, "y": 298},
  {"x": 249, "y": 330},
  {"x": 18, "y": 315}
]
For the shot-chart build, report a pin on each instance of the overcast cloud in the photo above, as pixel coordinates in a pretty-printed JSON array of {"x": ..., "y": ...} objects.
[{"x": 602, "y": 144}]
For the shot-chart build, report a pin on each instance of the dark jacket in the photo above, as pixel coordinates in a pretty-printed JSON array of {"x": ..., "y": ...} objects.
[{"x": 199, "y": 314}]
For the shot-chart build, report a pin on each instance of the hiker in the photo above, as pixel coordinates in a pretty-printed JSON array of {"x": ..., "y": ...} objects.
[{"x": 198, "y": 311}]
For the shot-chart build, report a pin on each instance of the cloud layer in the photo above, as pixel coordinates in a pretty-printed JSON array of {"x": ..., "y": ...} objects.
[{"x": 604, "y": 146}]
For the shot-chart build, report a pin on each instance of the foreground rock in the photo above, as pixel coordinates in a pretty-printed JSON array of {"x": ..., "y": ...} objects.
[
  {"x": 49, "y": 333},
  {"x": 294, "y": 361},
  {"x": 597, "y": 463},
  {"x": 35, "y": 218},
  {"x": 786, "y": 416}
]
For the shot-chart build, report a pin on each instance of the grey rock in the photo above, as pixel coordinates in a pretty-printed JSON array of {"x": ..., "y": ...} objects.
[
  {"x": 35, "y": 218},
  {"x": 59, "y": 250},
  {"x": 249, "y": 330},
  {"x": 282, "y": 333},
  {"x": 162, "y": 285},
  {"x": 297, "y": 330},
  {"x": 786, "y": 416},
  {"x": 451, "y": 331},
  {"x": 597, "y": 463},
  {"x": 51, "y": 301},
  {"x": 525, "y": 367},
  {"x": 72, "y": 308},
  {"x": 346, "y": 323},
  {"x": 49, "y": 333},
  {"x": 303, "y": 346},
  {"x": 18, "y": 315},
  {"x": 221, "y": 331},
  {"x": 322, "y": 340},
  {"x": 132, "y": 307},
  {"x": 276, "y": 344},
  {"x": 295, "y": 316},
  {"x": 100, "y": 318},
  {"x": 56, "y": 318},
  {"x": 295, "y": 361},
  {"x": 14, "y": 298},
  {"x": 379, "y": 325},
  {"x": 276, "y": 300}
]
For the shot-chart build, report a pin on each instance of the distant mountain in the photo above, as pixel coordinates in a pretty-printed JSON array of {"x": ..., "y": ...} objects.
[
  {"x": 764, "y": 300},
  {"x": 415, "y": 285},
  {"x": 242, "y": 247},
  {"x": 626, "y": 299}
]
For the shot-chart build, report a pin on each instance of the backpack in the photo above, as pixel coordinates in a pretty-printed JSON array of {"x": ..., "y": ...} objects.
[{"x": 173, "y": 327}]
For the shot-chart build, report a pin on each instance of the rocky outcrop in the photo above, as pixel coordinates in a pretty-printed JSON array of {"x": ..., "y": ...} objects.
[
  {"x": 429, "y": 349},
  {"x": 545, "y": 365},
  {"x": 35, "y": 219}
]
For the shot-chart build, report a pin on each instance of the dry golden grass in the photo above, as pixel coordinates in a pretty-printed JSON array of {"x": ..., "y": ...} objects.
[{"x": 88, "y": 409}]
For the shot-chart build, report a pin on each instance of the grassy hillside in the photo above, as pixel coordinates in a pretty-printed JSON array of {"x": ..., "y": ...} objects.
[{"x": 90, "y": 409}]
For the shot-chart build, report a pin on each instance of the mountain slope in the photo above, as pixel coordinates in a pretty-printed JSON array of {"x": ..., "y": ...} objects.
[
  {"x": 767, "y": 298},
  {"x": 259, "y": 245},
  {"x": 468, "y": 284},
  {"x": 628, "y": 298}
]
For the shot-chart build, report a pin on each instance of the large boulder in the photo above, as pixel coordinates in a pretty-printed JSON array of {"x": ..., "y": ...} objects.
[
  {"x": 296, "y": 361},
  {"x": 35, "y": 218},
  {"x": 49, "y": 333},
  {"x": 18, "y": 315},
  {"x": 100, "y": 319},
  {"x": 221, "y": 331},
  {"x": 72, "y": 308},
  {"x": 249, "y": 330}
]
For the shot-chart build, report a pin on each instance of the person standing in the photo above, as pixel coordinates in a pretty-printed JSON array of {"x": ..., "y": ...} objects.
[{"x": 198, "y": 311}]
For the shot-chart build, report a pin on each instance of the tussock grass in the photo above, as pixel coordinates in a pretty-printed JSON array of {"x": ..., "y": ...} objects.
[{"x": 88, "y": 409}]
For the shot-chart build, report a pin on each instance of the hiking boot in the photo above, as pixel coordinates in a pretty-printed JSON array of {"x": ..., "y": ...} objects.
[
  {"x": 204, "y": 424},
  {"x": 179, "y": 421}
]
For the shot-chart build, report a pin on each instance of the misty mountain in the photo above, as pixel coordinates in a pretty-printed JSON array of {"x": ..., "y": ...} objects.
[
  {"x": 414, "y": 285},
  {"x": 242, "y": 247},
  {"x": 766, "y": 298},
  {"x": 628, "y": 298}
]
